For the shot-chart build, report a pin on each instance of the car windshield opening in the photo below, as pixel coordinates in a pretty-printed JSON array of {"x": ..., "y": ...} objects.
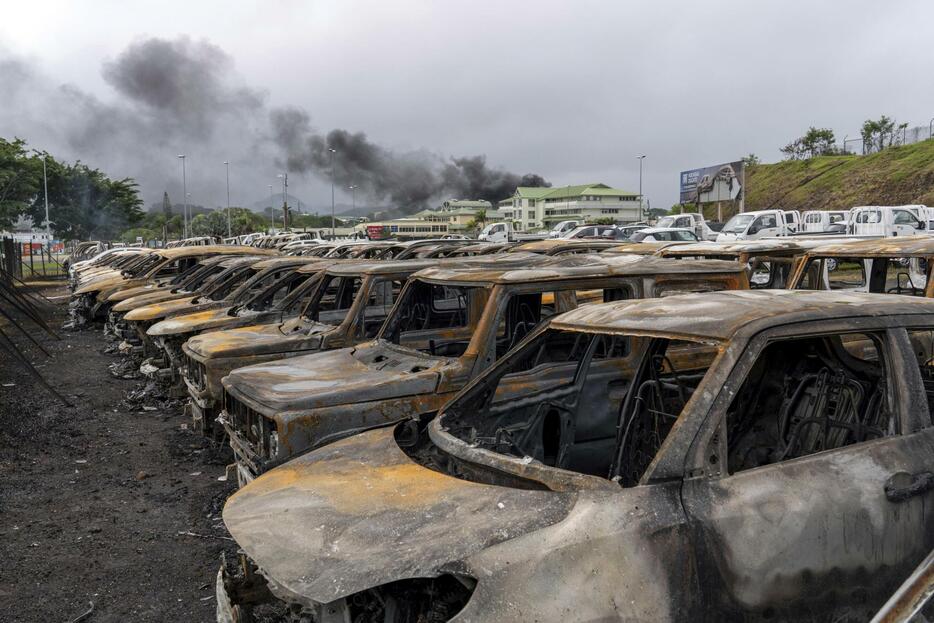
[
  {"x": 438, "y": 319},
  {"x": 597, "y": 404}
]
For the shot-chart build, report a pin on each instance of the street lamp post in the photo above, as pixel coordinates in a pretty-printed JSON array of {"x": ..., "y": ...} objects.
[
  {"x": 333, "y": 151},
  {"x": 641, "y": 208},
  {"x": 227, "y": 167},
  {"x": 184, "y": 194},
  {"x": 272, "y": 212},
  {"x": 45, "y": 186},
  {"x": 285, "y": 198},
  {"x": 353, "y": 189}
]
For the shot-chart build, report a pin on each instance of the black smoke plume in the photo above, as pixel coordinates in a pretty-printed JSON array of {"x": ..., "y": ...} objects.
[{"x": 182, "y": 96}]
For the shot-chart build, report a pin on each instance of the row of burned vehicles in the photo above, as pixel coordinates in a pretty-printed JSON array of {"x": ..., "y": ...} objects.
[{"x": 555, "y": 431}]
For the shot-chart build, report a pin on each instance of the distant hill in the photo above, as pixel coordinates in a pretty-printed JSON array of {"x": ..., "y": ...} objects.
[{"x": 898, "y": 175}]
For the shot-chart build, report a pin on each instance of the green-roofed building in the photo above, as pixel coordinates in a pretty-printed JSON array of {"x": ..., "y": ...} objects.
[{"x": 532, "y": 208}]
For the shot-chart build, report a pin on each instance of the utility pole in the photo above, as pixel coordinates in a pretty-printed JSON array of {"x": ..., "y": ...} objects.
[
  {"x": 641, "y": 205},
  {"x": 227, "y": 166},
  {"x": 272, "y": 212},
  {"x": 184, "y": 193},
  {"x": 45, "y": 185},
  {"x": 333, "y": 151},
  {"x": 285, "y": 199}
]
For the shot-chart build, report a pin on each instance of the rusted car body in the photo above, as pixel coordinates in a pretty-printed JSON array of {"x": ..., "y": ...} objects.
[
  {"x": 109, "y": 262},
  {"x": 173, "y": 322},
  {"x": 769, "y": 263},
  {"x": 900, "y": 265},
  {"x": 913, "y": 602},
  {"x": 347, "y": 305},
  {"x": 759, "y": 455},
  {"x": 560, "y": 246},
  {"x": 639, "y": 248},
  {"x": 234, "y": 273},
  {"x": 448, "y": 326},
  {"x": 209, "y": 274},
  {"x": 189, "y": 280},
  {"x": 90, "y": 300}
]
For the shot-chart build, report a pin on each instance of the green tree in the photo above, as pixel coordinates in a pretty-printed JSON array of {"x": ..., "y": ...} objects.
[
  {"x": 815, "y": 142},
  {"x": 20, "y": 180},
  {"x": 878, "y": 134},
  {"x": 751, "y": 160},
  {"x": 84, "y": 203}
]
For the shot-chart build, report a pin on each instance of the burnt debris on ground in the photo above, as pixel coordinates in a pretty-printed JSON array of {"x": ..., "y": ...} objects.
[{"x": 111, "y": 501}]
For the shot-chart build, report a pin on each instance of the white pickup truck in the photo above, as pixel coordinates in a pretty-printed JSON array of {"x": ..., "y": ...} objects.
[
  {"x": 690, "y": 220},
  {"x": 504, "y": 232},
  {"x": 760, "y": 224},
  {"x": 824, "y": 222},
  {"x": 889, "y": 221}
]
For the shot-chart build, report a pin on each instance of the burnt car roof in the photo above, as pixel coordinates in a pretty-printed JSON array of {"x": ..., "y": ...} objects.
[
  {"x": 879, "y": 247},
  {"x": 551, "y": 244},
  {"x": 385, "y": 267},
  {"x": 733, "y": 248},
  {"x": 286, "y": 260},
  {"x": 211, "y": 249},
  {"x": 227, "y": 261},
  {"x": 578, "y": 266},
  {"x": 721, "y": 315},
  {"x": 638, "y": 248}
]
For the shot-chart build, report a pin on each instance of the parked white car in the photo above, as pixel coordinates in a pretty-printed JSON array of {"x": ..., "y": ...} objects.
[{"x": 664, "y": 234}]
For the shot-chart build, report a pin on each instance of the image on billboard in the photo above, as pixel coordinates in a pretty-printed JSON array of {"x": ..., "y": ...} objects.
[{"x": 721, "y": 182}]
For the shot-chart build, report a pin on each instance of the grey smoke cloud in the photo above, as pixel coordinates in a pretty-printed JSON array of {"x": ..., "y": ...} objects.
[
  {"x": 183, "y": 96},
  {"x": 409, "y": 180}
]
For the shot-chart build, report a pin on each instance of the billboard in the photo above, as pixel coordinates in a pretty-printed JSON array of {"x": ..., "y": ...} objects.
[{"x": 720, "y": 182}]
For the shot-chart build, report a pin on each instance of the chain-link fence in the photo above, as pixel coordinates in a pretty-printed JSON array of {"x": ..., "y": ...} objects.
[{"x": 900, "y": 136}]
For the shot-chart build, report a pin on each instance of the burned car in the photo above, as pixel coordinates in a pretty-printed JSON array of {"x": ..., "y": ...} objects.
[
  {"x": 197, "y": 281},
  {"x": 89, "y": 301},
  {"x": 264, "y": 283},
  {"x": 448, "y": 325},
  {"x": 724, "y": 456},
  {"x": 562, "y": 246},
  {"x": 769, "y": 263},
  {"x": 347, "y": 304},
  {"x": 134, "y": 322},
  {"x": 900, "y": 265}
]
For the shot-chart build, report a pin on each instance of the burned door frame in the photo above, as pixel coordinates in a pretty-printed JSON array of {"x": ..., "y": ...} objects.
[
  {"x": 870, "y": 524},
  {"x": 502, "y": 294}
]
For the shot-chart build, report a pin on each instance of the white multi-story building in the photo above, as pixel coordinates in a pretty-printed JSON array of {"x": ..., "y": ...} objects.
[{"x": 532, "y": 208}]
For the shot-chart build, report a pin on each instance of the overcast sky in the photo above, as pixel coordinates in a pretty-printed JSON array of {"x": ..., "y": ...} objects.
[{"x": 572, "y": 91}]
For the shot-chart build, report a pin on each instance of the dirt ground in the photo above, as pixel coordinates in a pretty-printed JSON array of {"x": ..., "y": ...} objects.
[{"x": 99, "y": 502}]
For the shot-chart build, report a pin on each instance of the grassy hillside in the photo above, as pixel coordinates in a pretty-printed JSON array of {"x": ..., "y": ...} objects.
[{"x": 898, "y": 175}]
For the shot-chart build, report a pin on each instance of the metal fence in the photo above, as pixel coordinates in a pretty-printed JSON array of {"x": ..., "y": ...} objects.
[
  {"x": 31, "y": 260},
  {"x": 903, "y": 136}
]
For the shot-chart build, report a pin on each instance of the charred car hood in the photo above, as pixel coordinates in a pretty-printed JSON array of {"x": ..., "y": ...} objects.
[
  {"x": 336, "y": 377},
  {"x": 261, "y": 339},
  {"x": 360, "y": 513},
  {"x": 122, "y": 295},
  {"x": 101, "y": 284},
  {"x": 196, "y": 321},
  {"x": 157, "y": 296},
  {"x": 168, "y": 308}
]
